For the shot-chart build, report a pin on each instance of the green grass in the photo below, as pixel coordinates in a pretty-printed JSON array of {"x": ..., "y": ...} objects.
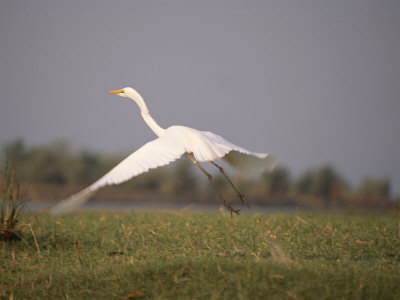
[{"x": 179, "y": 256}]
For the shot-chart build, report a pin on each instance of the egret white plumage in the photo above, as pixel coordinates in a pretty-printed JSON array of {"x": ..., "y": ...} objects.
[{"x": 171, "y": 144}]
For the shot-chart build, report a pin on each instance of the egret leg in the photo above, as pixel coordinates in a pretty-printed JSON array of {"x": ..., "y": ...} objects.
[
  {"x": 240, "y": 195},
  {"x": 228, "y": 205}
]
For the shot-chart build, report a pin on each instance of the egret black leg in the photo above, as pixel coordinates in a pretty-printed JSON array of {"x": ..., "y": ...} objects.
[
  {"x": 240, "y": 195},
  {"x": 228, "y": 205}
]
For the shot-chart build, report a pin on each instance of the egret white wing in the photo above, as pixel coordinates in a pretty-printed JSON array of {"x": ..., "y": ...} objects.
[
  {"x": 156, "y": 153},
  {"x": 247, "y": 162}
]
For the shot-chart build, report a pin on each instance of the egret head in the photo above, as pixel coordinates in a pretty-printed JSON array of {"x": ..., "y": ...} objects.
[
  {"x": 134, "y": 95},
  {"x": 125, "y": 92}
]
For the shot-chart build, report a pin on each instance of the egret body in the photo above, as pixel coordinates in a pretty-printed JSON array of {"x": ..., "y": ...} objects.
[{"x": 171, "y": 144}]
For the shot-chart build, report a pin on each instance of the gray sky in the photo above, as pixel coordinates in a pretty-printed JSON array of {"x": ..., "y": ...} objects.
[{"x": 312, "y": 82}]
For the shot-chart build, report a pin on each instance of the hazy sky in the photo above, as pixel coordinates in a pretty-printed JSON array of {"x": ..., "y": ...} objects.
[{"x": 312, "y": 82}]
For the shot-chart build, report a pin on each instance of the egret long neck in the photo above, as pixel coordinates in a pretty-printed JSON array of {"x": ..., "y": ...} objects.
[{"x": 157, "y": 129}]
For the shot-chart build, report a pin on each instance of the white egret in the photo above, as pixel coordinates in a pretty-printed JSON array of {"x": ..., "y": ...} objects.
[{"x": 171, "y": 144}]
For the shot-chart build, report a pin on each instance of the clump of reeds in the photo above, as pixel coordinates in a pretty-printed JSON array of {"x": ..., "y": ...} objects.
[{"x": 11, "y": 205}]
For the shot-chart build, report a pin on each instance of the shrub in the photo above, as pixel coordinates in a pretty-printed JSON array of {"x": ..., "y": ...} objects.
[{"x": 10, "y": 206}]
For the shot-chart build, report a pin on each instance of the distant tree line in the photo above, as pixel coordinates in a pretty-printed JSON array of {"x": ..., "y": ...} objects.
[{"x": 57, "y": 164}]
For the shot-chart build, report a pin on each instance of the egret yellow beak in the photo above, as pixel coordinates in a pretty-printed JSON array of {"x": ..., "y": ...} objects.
[{"x": 116, "y": 92}]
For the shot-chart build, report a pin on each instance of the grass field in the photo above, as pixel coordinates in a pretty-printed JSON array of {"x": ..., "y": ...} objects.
[{"x": 203, "y": 256}]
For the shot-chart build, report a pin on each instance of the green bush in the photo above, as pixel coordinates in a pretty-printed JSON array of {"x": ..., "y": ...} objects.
[{"x": 55, "y": 163}]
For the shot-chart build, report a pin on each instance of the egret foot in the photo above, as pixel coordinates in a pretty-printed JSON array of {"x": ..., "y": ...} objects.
[{"x": 228, "y": 205}]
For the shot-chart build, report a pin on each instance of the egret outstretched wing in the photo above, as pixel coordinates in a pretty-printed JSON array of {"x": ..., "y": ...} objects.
[
  {"x": 156, "y": 153},
  {"x": 247, "y": 162},
  {"x": 207, "y": 146}
]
